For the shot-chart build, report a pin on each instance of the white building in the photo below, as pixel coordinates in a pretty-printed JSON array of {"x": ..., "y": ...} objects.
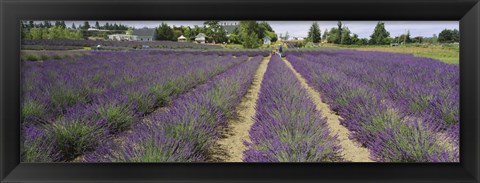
[
  {"x": 200, "y": 38},
  {"x": 182, "y": 39},
  {"x": 266, "y": 40},
  {"x": 144, "y": 34},
  {"x": 122, "y": 37}
]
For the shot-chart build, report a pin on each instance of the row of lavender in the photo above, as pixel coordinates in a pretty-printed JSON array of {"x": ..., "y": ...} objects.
[
  {"x": 126, "y": 44},
  {"x": 287, "y": 126},
  {"x": 70, "y": 105},
  {"x": 188, "y": 128},
  {"x": 403, "y": 108}
]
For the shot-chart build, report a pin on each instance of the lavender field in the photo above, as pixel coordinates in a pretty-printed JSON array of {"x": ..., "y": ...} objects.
[{"x": 175, "y": 106}]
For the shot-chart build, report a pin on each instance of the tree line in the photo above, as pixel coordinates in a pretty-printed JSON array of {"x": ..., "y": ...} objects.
[
  {"x": 47, "y": 30},
  {"x": 59, "y": 30},
  {"x": 250, "y": 34},
  {"x": 380, "y": 36}
]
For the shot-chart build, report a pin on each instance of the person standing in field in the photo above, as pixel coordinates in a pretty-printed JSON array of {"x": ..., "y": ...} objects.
[{"x": 280, "y": 50}]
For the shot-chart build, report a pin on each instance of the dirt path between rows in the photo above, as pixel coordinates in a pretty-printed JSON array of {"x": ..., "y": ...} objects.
[
  {"x": 230, "y": 147},
  {"x": 351, "y": 151}
]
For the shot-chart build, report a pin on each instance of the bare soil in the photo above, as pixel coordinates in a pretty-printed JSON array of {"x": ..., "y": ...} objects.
[
  {"x": 230, "y": 147},
  {"x": 351, "y": 150}
]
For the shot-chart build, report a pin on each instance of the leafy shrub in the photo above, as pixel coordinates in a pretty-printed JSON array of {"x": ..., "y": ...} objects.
[
  {"x": 74, "y": 137},
  {"x": 30, "y": 57},
  {"x": 32, "y": 109},
  {"x": 118, "y": 117}
]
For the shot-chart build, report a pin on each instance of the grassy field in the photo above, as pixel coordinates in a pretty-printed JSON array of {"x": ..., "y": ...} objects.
[{"x": 446, "y": 53}]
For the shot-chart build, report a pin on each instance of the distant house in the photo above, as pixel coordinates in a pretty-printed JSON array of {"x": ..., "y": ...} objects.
[
  {"x": 144, "y": 34},
  {"x": 266, "y": 40},
  {"x": 182, "y": 39},
  {"x": 122, "y": 37},
  {"x": 200, "y": 38}
]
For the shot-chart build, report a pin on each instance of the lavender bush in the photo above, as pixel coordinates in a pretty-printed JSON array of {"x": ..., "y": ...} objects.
[
  {"x": 188, "y": 128},
  {"x": 81, "y": 101},
  {"x": 287, "y": 126},
  {"x": 395, "y": 104}
]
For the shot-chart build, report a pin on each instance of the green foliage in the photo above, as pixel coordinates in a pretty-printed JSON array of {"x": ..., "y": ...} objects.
[
  {"x": 449, "y": 36},
  {"x": 164, "y": 92},
  {"x": 215, "y": 31},
  {"x": 118, "y": 117},
  {"x": 346, "y": 38},
  {"x": 251, "y": 34},
  {"x": 379, "y": 35},
  {"x": 272, "y": 35},
  {"x": 310, "y": 45},
  {"x": 32, "y": 109},
  {"x": 151, "y": 152},
  {"x": 97, "y": 25},
  {"x": 332, "y": 36},
  {"x": 325, "y": 34},
  {"x": 235, "y": 39},
  {"x": 63, "y": 98},
  {"x": 265, "y": 26},
  {"x": 74, "y": 137},
  {"x": 187, "y": 32},
  {"x": 130, "y": 31},
  {"x": 338, "y": 33},
  {"x": 251, "y": 40},
  {"x": 177, "y": 33},
  {"x": 404, "y": 38},
  {"x": 86, "y": 25},
  {"x": 56, "y": 32},
  {"x": 314, "y": 34},
  {"x": 60, "y": 24},
  {"x": 144, "y": 102},
  {"x": 37, "y": 150},
  {"x": 165, "y": 32},
  {"x": 30, "y": 57}
]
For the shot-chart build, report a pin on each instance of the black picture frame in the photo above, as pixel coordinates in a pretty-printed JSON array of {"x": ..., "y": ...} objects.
[{"x": 465, "y": 11}]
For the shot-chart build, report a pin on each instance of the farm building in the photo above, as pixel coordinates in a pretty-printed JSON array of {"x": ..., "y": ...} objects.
[
  {"x": 144, "y": 34},
  {"x": 122, "y": 37},
  {"x": 200, "y": 38},
  {"x": 266, "y": 40},
  {"x": 182, "y": 39}
]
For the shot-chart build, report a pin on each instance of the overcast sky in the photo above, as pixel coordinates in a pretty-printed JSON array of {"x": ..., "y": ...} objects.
[{"x": 300, "y": 28}]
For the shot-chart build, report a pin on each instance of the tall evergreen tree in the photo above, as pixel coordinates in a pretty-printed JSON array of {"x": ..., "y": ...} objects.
[
  {"x": 338, "y": 37},
  {"x": 86, "y": 25},
  {"x": 249, "y": 34},
  {"x": 314, "y": 34},
  {"x": 266, "y": 26},
  {"x": 380, "y": 35},
  {"x": 165, "y": 32},
  {"x": 346, "y": 38},
  {"x": 47, "y": 24},
  {"x": 31, "y": 24},
  {"x": 74, "y": 26},
  {"x": 97, "y": 25}
]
